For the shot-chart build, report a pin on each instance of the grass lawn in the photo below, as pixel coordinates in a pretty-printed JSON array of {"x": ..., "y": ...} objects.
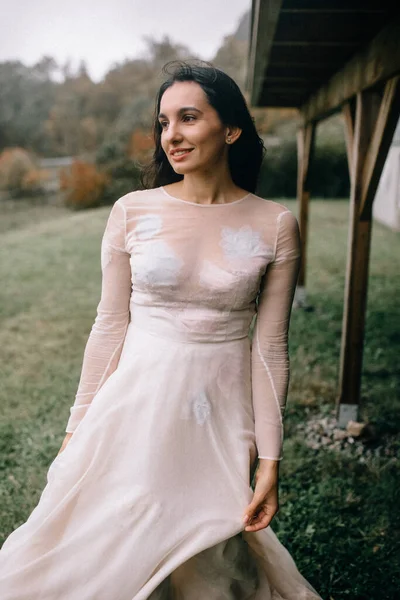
[{"x": 339, "y": 517}]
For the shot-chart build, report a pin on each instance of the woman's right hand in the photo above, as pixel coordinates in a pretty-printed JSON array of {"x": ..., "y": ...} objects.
[
  {"x": 65, "y": 442},
  {"x": 264, "y": 504}
]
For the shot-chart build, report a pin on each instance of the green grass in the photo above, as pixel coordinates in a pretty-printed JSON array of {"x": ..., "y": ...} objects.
[
  {"x": 339, "y": 518},
  {"x": 23, "y": 212}
]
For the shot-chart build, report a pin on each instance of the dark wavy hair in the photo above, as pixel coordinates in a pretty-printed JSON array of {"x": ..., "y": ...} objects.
[{"x": 244, "y": 156}]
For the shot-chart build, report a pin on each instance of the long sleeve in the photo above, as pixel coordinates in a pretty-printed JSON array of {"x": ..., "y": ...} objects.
[
  {"x": 270, "y": 357},
  {"x": 104, "y": 345}
]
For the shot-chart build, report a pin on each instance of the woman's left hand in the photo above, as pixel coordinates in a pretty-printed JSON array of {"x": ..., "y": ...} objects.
[{"x": 264, "y": 505}]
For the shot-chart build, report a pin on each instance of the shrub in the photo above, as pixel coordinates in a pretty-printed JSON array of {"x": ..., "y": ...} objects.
[
  {"x": 33, "y": 182},
  {"x": 115, "y": 158},
  {"x": 123, "y": 176},
  {"x": 19, "y": 174},
  {"x": 83, "y": 185},
  {"x": 279, "y": 171},
  {"x": 141, "y": 145},
  {"x": 329, "y": 175}
]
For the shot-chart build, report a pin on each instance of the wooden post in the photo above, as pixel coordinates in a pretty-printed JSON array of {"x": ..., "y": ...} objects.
[
  {"x": 375, "y": 121},
  {"x": 305, "y": 148},
  {"x": 348, "y": 112}
]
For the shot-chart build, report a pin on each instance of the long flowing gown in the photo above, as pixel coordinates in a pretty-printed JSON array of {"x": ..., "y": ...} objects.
[{"x": 175, "y": 403}]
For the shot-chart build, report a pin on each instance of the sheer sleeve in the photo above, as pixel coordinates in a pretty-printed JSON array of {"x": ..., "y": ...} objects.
[
  {"x": 104, "y": 345},
  {"x": 270, "y": 358}
]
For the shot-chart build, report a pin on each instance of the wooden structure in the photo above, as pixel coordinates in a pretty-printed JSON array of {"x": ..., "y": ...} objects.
[{"x": 323, "y": 57}]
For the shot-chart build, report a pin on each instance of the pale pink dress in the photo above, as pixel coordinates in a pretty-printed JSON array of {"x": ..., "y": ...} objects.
[{"x": 174, "y": 405}]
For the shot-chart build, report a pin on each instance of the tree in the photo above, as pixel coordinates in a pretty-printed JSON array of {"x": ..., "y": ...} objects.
[
  {"x": 232, "y": 58},
  {"x": 26, "y": 97}
]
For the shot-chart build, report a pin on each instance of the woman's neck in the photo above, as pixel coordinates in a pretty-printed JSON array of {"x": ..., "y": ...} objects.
[{"x": 207, "y": 188}]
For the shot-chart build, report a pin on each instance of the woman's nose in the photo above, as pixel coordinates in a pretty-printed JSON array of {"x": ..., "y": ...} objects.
[{"x": 172, "y": 133}]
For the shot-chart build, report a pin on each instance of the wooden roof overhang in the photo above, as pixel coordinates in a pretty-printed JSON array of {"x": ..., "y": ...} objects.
[
  {"x": 322, "y": 56},
  {"x": 316, "y": 54}
]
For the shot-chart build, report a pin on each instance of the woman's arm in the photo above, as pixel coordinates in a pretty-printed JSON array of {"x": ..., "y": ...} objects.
[
  {"x": 270, "y": 357},
  {"x": 104, "y": 345},
  {"x": 270, "y": 367}
]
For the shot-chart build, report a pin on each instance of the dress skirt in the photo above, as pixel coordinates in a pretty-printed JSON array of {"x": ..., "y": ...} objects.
[{"x": 147, "y": 498}]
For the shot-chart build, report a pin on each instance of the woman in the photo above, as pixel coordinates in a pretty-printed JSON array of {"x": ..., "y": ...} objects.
[{"x": 150, "y": 495}]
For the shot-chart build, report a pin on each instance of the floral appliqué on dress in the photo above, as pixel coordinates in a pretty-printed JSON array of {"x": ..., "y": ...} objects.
[
  {"x": 244, "y": 242},
  {"x": 106, "y": 254},
  {"x": 157, "y": 264},
  {"x": 197, "y": 406},
  {"x": 201, "y": 407},
  {"x": 148, "y": 226}
]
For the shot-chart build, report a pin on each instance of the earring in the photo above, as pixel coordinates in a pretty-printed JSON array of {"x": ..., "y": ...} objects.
[{"x": 228, "y": 140}]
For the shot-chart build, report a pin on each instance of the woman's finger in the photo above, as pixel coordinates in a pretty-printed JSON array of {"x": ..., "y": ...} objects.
[
  {"x": 257, "y": 516},
  {"x": 261, "y": 520},
  {"x": 261, "y": 523},
  {"x": 253, "y": 507}
]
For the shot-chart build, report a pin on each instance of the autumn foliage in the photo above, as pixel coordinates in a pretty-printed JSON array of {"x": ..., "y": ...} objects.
[
  {"x": 83, "y": 185},
  {"x": 141, "y": 145},
  {"x": 19, "y": 174}
]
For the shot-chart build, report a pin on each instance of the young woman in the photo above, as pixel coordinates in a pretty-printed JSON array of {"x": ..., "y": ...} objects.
[{"x": 150, "y": 495}]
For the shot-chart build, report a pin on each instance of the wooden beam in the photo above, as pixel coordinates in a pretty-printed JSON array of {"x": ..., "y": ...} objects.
[
  {"x": 293, "y": 65},
  {"x": 305, "y": 148},
  {"x": 264, "y": 18},
  {"x": 282, "y": 88},
  {"x": 357, "y": 10},
  {"x": 281, "y": 101},
  {"x": 348, "y": 112},
  {"x": 356, "y": 28},
  {"x": 377, "y": 63},
  {"x": 331, "y": 57},
  {"x": 355, "y": 301},
  {"x": 315, "y": 44},
  {"x": 382, "y": 138},
  {"x": 330, "y": 5},
  {"x": 290, "y": 97},
  {"x": 292, "y": 80}
]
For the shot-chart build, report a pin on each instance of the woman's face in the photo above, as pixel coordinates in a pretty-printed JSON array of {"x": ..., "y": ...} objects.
[{"x": 193, "y": 136}]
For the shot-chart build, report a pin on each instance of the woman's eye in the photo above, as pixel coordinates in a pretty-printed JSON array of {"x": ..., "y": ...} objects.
[
  {"x": 163, "y": 124},
  {"x": 189, "y": 118}
]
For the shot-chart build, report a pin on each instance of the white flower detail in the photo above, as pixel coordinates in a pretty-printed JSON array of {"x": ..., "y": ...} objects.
[
  {"x": 201, "y": 407},
  {"x": 157, "y": 265},
  {"x": 242, "y": 243},
  {"x": 148, "y": 226}
]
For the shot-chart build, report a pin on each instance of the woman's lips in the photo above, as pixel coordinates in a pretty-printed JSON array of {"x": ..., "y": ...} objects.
[{"x": 178, "y": 157}]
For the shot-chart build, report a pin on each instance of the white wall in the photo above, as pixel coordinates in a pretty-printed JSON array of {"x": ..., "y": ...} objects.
[{"x": 386, "y": 206}]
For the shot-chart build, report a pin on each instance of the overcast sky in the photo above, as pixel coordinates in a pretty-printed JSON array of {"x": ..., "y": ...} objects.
[{"x": 102, "y": 32}]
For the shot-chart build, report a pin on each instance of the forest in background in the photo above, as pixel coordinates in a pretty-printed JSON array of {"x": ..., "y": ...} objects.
[{"x": 48, "y": 110}]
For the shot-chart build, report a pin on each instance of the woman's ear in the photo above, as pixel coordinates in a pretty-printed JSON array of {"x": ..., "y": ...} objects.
[{"x": 232, "y": 134}]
